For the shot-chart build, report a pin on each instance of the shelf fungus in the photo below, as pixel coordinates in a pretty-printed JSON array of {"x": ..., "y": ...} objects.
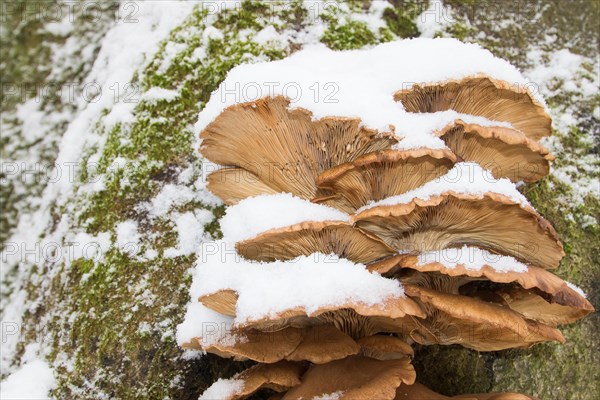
[
  {"x": 282, "y": 147},
  {"x": 506, "y": 152},
  {"x": 482, "y": 96},
  {"x": 359, "y": 231},
  {"x": 492, "y": 221},
  {"x": 378, "y": 175},
  {"x": 306, "y": 238}
]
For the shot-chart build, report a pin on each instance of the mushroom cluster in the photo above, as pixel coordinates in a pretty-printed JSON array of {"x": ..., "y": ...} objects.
[{"x": 343, "y": 244}]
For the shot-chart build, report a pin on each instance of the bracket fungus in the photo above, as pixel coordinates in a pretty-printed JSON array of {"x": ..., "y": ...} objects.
[
  {"x": 353, "y": 232},
  {"x": 506, "y": 152},
  {"x": 482, "y": 96},
  {"x": 453, "y": 219},
  {"x": 378, "y": 175},
  {"x": 271, "y": 141}
]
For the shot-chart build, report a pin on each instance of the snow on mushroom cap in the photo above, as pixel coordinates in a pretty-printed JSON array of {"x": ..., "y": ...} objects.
[
  {"x": 465, "y": 178},
  {"x": 202, "y": 322},
  {"x": 328, "y": 83},
  {"x": 255, "y": 215},
  {"x": 264, "y": 289},
  {"x": 472, "y": 258}
]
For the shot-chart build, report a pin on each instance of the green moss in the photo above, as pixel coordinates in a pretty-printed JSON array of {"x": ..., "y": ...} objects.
[
  {"x": 349, "y": 35},
  {"x": 401, "y": 19}
]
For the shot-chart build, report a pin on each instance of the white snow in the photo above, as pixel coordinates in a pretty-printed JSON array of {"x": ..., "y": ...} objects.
[
  {"x": 328, "y": 83},
  {"x": 472, "y": 258},
  {"x": 577, "y": 289},
  {"x": 434, "y": 19},
  {"x": 464, "y": 178},
  {"x": 223, "y": 389},
  {"x": 170, "y": 196},
  {"x": 128, "y": 237},
  {"x": 310, "y": 282},
  {"x": 32, "y": 381},
  {"x": 204, "y": 323},
  {"x": 155, "y": 94},
  {"x": 330, "y": 396},
  {"x": 254, "y": 215},
  {"x": 190, "y": 232}
]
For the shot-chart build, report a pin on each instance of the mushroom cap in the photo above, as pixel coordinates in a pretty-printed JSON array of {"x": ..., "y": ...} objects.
[
  {"x": 234, "y": 184},
  {"x": 318, "y": 344},
  {"x": 355, "y": 377},
  {"x": 384, "y": 347},
  {"x": 536, "y": 307},
  {"x": 381, "y": 174},
  {"x": 491, "y": 221},
  {"x": 482, "y": 96},
  {"x": 554, "y": 288},
  {"x": 391, "y": 311},
  {"x": 306, "y": 238},
  {"x": 418, "y": 391},
  {"x": 284, "y": 147},
  {"x": 476, "y": 324},
  {"x": 506, "y": 152},
  {"x": 279, "y": 377}
]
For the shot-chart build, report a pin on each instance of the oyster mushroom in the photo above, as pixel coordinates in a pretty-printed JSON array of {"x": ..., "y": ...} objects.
[
  {"x": 355, "y": 377},
  {"x": 305, "y": 238},
  {"x": 375, "y": 176},
  {"x": 491, "y": 221},
  {"x": 284, "y": 148},
  {"x": 506, "y": 152},
  {"x": 481, "y": 96}
]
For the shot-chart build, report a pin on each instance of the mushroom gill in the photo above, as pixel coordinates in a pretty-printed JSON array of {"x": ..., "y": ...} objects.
[
  {"x": 491, "y": 221},
  {"x": 535, "y": 279},
  {"x": 506, "y": 152},
  {"x": 306, "y": 238},
  {"x": 375, "y": 176},
  {"x": 481, "y": 96},
  {"x": 473, "y": 323},
  {"x": 284, "y": 148},
  {"x": 234, "y": 184}
]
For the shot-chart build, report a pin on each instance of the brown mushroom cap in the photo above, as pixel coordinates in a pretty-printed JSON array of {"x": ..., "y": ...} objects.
[
  {"x": 284, "y": 147},
  {"x": 418, "y": 391},
  {"x": 482, "y": 326},
  {"x": 482, "y": 96},
  {"x": 534, "y": 306},
  {"x": 310, "y": 237},
  {"x": 355, "y": 377},
  {"x": 506, "y": 152},
  {"x": 354, "y": 319},
  {"x": 555, "y": 289},
  {"x": 381, "y": 174},
  {"x": 492, "y": 221},
  {"x": 234, "y": 184},
  {"x": 384, "y": 347},
  {"x": 279, "y": 377},
  {"x": 318, "y": 344}
]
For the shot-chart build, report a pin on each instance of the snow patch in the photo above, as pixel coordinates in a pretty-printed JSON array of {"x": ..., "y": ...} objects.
[
  {"x": 254, "y": 215},
  {"x": 33, "y": 381}
]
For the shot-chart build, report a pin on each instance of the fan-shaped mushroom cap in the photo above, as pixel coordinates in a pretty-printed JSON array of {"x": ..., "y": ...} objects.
[
  {"x": 327, "y": 237},
  {"x": 284, "y": 147},
  {"x": 278, "y": 377},
  {"x": 384, "y": 347},
  {"x": 506, "y": 152},
  {"x": 482, "y": 96},
  {"x": 234, "y": 184},
  {"x": 377, "y": 175},
  {"x": 418, "y": 391},
  {"x": 534, "y": 306},
  {"x": 455, "y": 319},
  {"x": 318, "y": 344},
  {"x": 353, "y": 317},
  {"x": 355, "y": 377},
  {"x": 476, "y": 263},
  {"x": 492, "y": 220}
]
